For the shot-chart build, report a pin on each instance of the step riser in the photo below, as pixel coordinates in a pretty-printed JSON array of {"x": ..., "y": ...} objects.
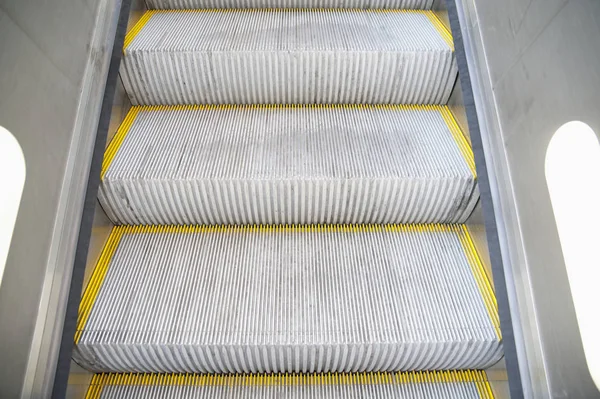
[
  {"x": 292, "y": 202},
  {"x": 268, "y": 78},
  {"x": 277, "y": 359},
  {"x": 283, "y": 62},
  {"x": 210, "y": 4}
]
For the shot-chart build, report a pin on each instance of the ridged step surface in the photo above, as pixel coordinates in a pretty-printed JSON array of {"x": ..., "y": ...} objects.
[
  {"x": 444, "y": 385},
  {"x": 288, "y": 57},
  {"x": 375, "y": 4},
  {"x": 289, "y": 165},
  {"x": 288, "y": 299}
]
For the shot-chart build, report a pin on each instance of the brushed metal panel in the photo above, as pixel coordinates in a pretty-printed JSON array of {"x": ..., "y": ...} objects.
[{"x": 535, "y": 66}]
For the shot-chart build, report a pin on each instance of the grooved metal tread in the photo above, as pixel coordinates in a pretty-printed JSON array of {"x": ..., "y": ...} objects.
[
  {"x": 288, "y": 299},
  {"x": 209, "y": 4},
  {"x": 288, "y": 57},
  {"x": 288, "y": 165},
  {"x": 428, "y": 385}
]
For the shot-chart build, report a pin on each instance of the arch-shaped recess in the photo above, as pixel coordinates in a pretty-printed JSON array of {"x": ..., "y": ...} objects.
[
  {"x": 573, "y": 178},
  {"x": 12, "y": 180}
]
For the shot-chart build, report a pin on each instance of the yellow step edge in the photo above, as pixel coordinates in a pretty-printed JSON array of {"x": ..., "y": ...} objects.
[
  {"x": 477, "y": 377},
  {"x": 117, "y": 140},
  {"x": 461, "y": 141},
  {"x": 275, "y": 9},
  {"x": 481, "y": 278},
  {"x": 312, "y": 228},
  {"x": 130, "y": 36},
  {"x": 211, "y": 107},
  {"x": 441, "y": 28},
  {"x": 95, "y": 283}
]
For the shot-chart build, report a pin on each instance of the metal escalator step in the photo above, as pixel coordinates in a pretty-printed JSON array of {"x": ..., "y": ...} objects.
[
  {"x": 288, "y": 299},
  {"x": 375, "y": 4},
  {"x": 288, "y": 56},
  {"x": 427, "y": 385},
  {"x": 289, "y": 165}
]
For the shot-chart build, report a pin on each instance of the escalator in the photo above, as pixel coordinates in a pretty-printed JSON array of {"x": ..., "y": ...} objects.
[
  {"x": 290, "y": 195},
  {"x": 298, "y": 198}
]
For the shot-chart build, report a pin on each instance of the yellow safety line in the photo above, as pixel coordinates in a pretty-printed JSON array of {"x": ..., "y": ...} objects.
[
  {"x": 483, "y": 386},
  {"x": 93, "y": 287},
  {"x": 314, "y": 10},
  {"x": 461, "y": 140},
  {"x": 137, "y": 28},
  {"x": 488, "y": 389},
  {"x": 210, "y": 107},
  {"x": 95, "y": 388},
  {"x": 484, "y": 390},
  {"x": 115, "y": 143},
  {"x": 481, "y": 278},
  {"x": 312, "y": 228},
  {"x": 441, "y": 28},
  {"x": 293, "y": 379}
]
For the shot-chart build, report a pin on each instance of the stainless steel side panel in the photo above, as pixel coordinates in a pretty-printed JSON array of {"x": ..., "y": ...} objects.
[
  {"x": 53, "y": 64},
  {"x": 534, "y": 66}
]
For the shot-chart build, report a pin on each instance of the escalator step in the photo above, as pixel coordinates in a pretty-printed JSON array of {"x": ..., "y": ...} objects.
[
  {"x": 288, "y": 56},
  {"x": 375, "y": 4},
  {"x": 288, "y": 299},
  {"x": 427, "y": 385},
  {"x": 288, "y": 165}
]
